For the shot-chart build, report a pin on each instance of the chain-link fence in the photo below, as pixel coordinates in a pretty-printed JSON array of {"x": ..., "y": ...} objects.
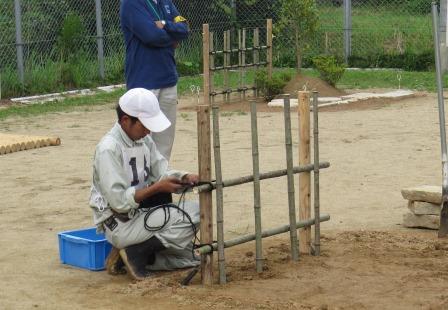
[{"x": 49, "y": 45}]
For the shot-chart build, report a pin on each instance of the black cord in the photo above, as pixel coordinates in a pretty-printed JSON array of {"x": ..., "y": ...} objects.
[{"x": 167, "y": 216}]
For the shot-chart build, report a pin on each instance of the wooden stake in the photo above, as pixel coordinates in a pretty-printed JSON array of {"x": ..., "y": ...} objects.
[
  {"x": 256, "y": 173},
  {"x": 206, "y": 63},
  {"x": 269, "y": 45},
  {"x": 291, "y": 194},
  {"x": 304, "y": 178},
  {"x": 205, "y": 199},
  {"x": 219, "y": 195}
]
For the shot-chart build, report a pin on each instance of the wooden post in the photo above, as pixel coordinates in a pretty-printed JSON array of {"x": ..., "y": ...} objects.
[
  {"x": 205, "y": 199},
  {"x": 256, "y": 54},
  {"x": 206, "y": 63},
  {"x": 291, "y": 194},
  {"x": 269, "y": 45},
  {"x": 304, "y": 178},
  {"x": 256, "y": 174}
]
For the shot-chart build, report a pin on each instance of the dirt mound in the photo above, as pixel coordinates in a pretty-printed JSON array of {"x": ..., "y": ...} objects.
[{"x": 325, "y": 90}]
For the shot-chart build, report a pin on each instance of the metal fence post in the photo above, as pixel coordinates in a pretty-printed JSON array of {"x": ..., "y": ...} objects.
[
  {"x": 347, "y": 29},
  {"x": 19, "y": 43},
  {"x": 99, "y": 37}
]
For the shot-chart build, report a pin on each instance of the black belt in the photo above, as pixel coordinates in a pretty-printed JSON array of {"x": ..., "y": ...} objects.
[{"x": 122, "y": 217}]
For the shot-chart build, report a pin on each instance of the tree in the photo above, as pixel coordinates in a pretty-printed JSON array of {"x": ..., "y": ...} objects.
[{"x": 300, "y": 17}]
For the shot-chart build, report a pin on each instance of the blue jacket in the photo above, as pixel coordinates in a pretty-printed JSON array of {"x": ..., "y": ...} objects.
[{"x": 150, "y": 60}]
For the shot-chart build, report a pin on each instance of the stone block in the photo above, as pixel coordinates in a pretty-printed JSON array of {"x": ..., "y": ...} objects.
[
  {"x": 424, "y": 208},
  {"x": 426, "y": 193},
  {"x": 421, "y": 221}
]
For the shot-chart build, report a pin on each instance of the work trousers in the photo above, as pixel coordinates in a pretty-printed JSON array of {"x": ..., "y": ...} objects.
[
  {"x": 168, "y": 104},
  {"x": 176, "y": 235}
]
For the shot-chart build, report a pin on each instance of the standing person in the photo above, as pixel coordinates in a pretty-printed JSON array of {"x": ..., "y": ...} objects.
[
  {"x": 128, "y": 175},
  {"x": 152, "y": 30}
]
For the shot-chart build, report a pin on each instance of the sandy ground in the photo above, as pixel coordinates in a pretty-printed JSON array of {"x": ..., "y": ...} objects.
[{"x": 368, "y": 261}]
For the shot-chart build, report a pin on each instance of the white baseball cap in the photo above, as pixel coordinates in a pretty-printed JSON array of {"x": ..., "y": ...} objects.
[{"x": 143, "y": 104}]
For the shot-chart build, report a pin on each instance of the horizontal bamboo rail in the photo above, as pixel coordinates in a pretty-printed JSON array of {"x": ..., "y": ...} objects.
[
  {"x": 263, "y": 176},
  {"x": 235, "y": 50},
  {"x": 267, "y": 233}
]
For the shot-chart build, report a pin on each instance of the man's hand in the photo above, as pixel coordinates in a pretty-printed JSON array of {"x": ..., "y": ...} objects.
[
  {"x": 159, "y": 24},
  {"x": 168, "y": 185},
  {"x": 190, "y": 179}
]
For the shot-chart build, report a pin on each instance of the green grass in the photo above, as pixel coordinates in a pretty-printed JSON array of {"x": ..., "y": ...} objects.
[
  {"x": 66, "y": 105},
  {"x": 362, "y": 79}
]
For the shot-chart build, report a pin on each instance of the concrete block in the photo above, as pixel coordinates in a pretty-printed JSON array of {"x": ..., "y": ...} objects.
[
  {"x": 427, "y": 193},
  {"x": 424, "y": 208},
  {"x": 420, "y": 221}
]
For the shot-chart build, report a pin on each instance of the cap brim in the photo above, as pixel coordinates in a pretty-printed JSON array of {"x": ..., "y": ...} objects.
[{"x": 157, "y": 123}]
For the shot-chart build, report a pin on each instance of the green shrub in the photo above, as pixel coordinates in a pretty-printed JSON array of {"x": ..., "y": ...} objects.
[
  {"x": 188, "y": 68},
  {"x": 409, "y": 61},
  {"x": 329, "y": 68},
  {"x": 271, "y": 87}
]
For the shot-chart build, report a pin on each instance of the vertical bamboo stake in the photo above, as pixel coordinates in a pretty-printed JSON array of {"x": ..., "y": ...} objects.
[
  {"x": 256, "y": 172},
  {"x": 229, "y": 62},
  {"x": 291, "y": 194},
  {"x": 226, "y": 64},
  {"x": 206, "y": 62},
  {"x": 269, "y": 45},
  {"x": 243, "y": 63},
  {"x": 204, "y": 163},
  {"x": 305, "y": 177},
  {"x": 205, "y": 199},
  {"x": 240, "y": 62},
  {"x": 212, "y": 63},
  {"x": 256, "y": 55},
  {"x": 219, "y": 194},
  {"x": 316, "y": 174}
]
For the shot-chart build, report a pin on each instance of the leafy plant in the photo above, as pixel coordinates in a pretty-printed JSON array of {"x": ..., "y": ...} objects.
[
  {"x": 271, "y": 87},
  {"x": 330, "y": 70},
  {"x": 71, "y": 36},
  {"x": 299, "y": 17}
]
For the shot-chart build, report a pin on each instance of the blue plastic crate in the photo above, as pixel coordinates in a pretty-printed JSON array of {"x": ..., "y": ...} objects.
[{"x": 83, "y": 248}]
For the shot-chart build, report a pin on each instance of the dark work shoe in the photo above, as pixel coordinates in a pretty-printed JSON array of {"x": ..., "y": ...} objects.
[
  {"x": 135, "y": 257},
  {"x": 114, "y": 263}
]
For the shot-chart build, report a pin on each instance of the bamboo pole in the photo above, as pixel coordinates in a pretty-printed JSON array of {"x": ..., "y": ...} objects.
[
  {"x": 263, "y": 176},
  {"x": 291, "y": 194},
  {"x": 226, "y": 64},
  {"x": 206, "y": 62},
  {"x": 243, "y": 63},
  {"x": 212, "y": 63},
  {"x": 256, "y": 56},
  {"x": 240, "y": 62},
  {"x": 257, "y": 199},
  {"x": 267, "y": 233},
  {"x": 219, "y": 195},
  {"x": 304, "y": 178},
  {"x": 316, "y": 173},
  {"x": 269, "y": 45},
  {"x": 205, "y": 199}
]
